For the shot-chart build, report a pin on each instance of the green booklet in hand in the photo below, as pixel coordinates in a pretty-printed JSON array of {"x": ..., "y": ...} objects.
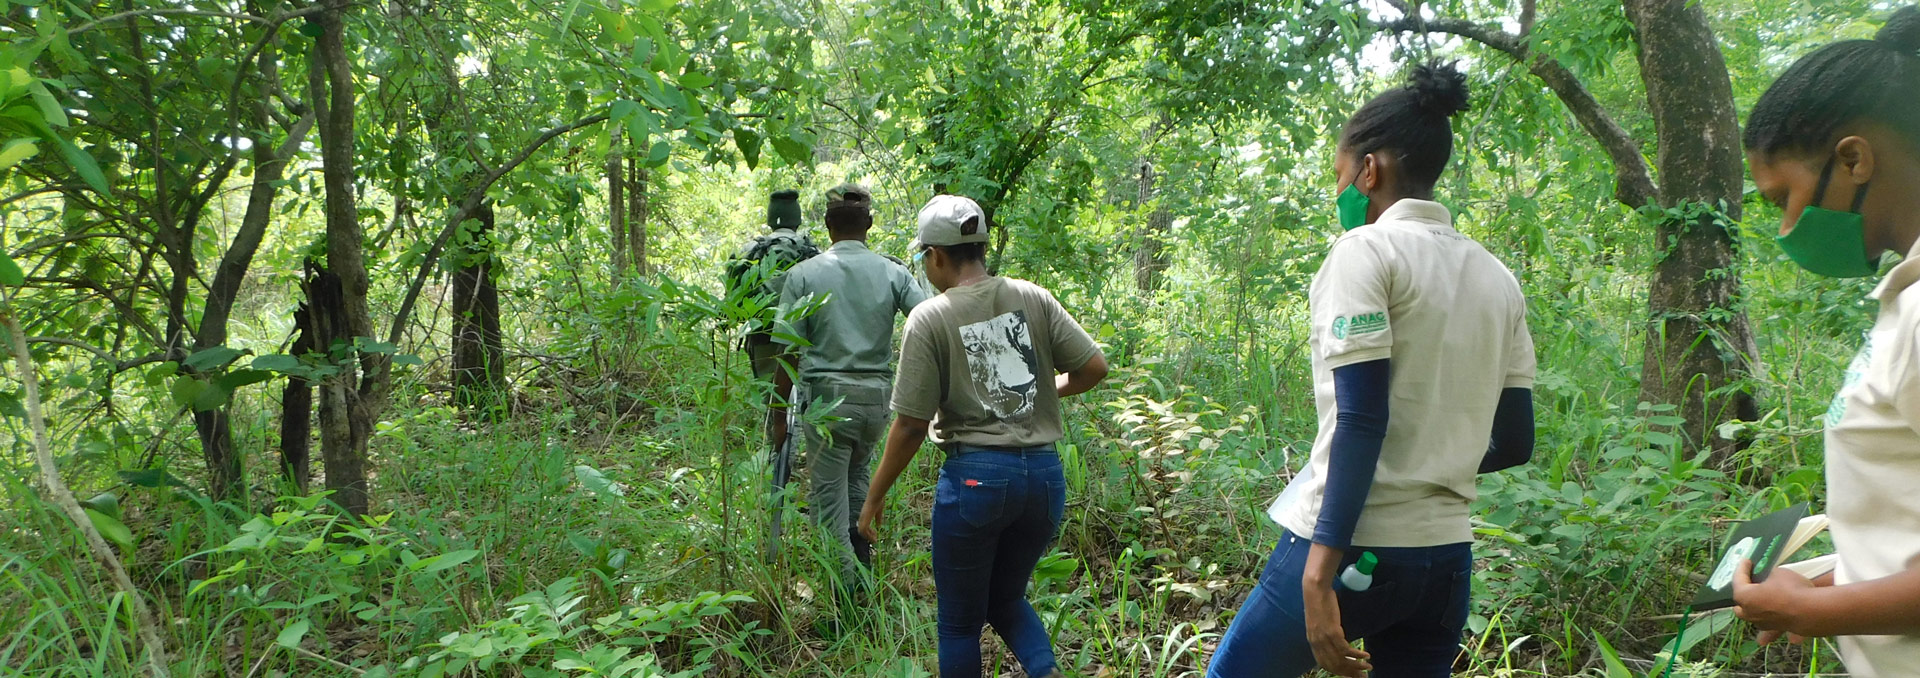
[{"x": 1765, "y": 541}]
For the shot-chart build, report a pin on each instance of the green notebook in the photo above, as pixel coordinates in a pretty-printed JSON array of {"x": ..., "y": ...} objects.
[{"x": 1766, "y": 541}]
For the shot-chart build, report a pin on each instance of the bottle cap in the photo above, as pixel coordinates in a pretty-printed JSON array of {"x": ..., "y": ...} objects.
[{"x": 1367, "y": 561}]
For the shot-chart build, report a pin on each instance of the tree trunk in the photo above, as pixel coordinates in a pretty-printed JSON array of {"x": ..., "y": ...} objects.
[
  {"x": 1699, "y": 344},
  {"x": 296, "y": 410},
  {"x": 225, "y": 478},
  {"x": 1150, "y": 257},
  {"x": 1698, "y": 338},
  {"x": 215, "y": 428},
  {"x": 479, "y": 361},
  {"x": 617, "y": 208},
  {"x": 637, "y": 189},
  {"x": 338, "y": 296}
]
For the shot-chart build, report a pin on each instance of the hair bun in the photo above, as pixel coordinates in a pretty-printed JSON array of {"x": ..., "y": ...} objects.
[
  {"x": 1439, "y": 89},
  {"x": 1902, "y": 30}
]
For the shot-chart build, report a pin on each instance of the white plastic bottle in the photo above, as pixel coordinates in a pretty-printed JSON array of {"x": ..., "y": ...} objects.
[{"x": 1359, "y": 576}]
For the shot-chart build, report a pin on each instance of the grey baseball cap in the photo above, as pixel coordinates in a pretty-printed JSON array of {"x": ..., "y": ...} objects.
[{"x": 949, "y": 220}]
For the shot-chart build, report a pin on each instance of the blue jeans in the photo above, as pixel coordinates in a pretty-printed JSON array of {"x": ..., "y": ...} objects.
[
  {"x": 994, "y": 515},
  {"x": 1411, "y": 617}
]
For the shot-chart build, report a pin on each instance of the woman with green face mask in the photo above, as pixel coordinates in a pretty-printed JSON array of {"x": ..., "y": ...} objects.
[
  {"x": 1423, "y": 375},
  {"x": 1835, "y": 142}
]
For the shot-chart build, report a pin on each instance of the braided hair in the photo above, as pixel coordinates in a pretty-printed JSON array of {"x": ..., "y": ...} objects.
[
  {"x": 1414, "y": 121},
  {"x": 1839, "y": 84}
]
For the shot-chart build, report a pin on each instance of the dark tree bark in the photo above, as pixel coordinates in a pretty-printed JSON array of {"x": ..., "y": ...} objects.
[
  {"x": 296, "y": 410},
  {"x": 617, "y": 208},
  {"x": 637, "y": 189},
  {"x": 1699, "y": 342},
  {"x": 224, "y": 470},
  {"x": 338, "y": 298},
  {"x": 479, "y": 361},
  {"x": 1698, "y": 338},
  {"x": 626, "y": 211},
  {"x": 1150, "y": 257}
]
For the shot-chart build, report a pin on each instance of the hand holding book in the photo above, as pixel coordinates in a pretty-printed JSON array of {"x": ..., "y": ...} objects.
[
  {"x": 1757, "y": 547},
  {"x": 1769, "y": 605}
]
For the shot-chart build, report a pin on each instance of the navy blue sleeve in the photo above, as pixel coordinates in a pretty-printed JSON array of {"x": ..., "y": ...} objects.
[
  {"x": 1512, "y": 441},
  {"x": 1360, "y": 426}
]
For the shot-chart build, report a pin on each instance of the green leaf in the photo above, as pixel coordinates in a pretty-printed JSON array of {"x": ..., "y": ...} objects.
[
  {"x": 111, "y": 528},
  {"x": 10, "y": 273},
  {"x": 749, "y": 144},
  {"x": 186, "y": 390},
  {"x": 238, "y": 378},
  {"x": 16, "y": 151},
  {"x": 408, "y": 359},
  {"x": 105, "y": 503},
  {"x": 278, "y": 362},
  {"x": 623, "y": 109},
  {"x": 204, "y": 360},
  {"x": 161, "y": 371},
  {"x": 446, "y": 560},
  {"x": 592, "y": 479},
  {"x": 658, "y": 155},
  {"x": 695, "y": 80},
  {"x": 793, "y": 148},
  {"x": 657, "y": 6},
  {"x": 566, "y": 18},
  {"x": 1702, "y": 627},
  {"x": 49, "y": 107},
  {"x": 1615, "y": 669},
  {"x": 79, "y": 160},
  {"x": 150, "y": 478},
  {"x": 290, "y": 636},
  {"x": 210, "y": 398},
  {"x": 370, "y": 346},
  {"x": 10, "y": 405}
]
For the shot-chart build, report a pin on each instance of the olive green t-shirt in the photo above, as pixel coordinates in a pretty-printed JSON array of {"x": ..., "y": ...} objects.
[{"x": 979, "y": 362}]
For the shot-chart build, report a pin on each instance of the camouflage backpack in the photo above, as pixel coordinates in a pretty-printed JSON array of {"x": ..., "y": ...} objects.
[{"x": 779, "y": 250}]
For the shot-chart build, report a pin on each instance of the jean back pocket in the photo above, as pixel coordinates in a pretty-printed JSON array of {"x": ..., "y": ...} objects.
[{"x": 979, "y": 501}]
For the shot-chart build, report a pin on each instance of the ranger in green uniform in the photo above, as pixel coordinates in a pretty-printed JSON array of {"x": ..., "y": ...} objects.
[{"x": 847, "y": 357}]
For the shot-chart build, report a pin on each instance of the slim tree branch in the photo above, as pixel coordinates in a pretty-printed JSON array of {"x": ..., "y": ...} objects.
[
  {"x": 134, "y": 14},
  {"x": 1633, "y": 181},
  {"x": 148, "y": 629},
  {"x": 468, "y": 203}
]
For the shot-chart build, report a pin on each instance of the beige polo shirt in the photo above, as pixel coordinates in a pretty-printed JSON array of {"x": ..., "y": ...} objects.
[
  {"x": 1873, "y": 465},
  {"x": 1451, "y": 317}
]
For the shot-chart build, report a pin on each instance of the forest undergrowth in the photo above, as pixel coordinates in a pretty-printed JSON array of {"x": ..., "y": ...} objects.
[{"x": 609, "y": 521}]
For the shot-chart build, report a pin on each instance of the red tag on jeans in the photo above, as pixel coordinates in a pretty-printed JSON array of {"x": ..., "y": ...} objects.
[{"x": 972, "y": 483}]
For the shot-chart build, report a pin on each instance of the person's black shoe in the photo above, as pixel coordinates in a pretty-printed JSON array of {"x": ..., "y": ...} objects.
[{"x": 862, "y": 549}]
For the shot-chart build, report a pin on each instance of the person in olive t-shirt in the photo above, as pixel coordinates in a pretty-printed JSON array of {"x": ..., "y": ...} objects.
[{"x": 982, "y": 368}]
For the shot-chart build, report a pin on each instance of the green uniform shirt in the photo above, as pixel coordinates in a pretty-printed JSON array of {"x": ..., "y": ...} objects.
[
  {"x": 979, "y": 362},
  {"x": 852, "y": 333}
]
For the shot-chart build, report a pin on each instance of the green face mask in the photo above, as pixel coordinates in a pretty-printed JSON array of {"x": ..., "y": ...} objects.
[
  {"x": 1352, "y": 205},
  {"x": 1830, "y": 243}
]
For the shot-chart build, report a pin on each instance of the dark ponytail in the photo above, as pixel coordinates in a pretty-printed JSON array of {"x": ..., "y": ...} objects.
[
  {"x": 1414, "y": 121},
  {"x": 1874, "y": 80}
]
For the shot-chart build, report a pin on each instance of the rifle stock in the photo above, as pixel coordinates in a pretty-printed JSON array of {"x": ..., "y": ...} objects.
[{"x": 781, "y": 466}]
